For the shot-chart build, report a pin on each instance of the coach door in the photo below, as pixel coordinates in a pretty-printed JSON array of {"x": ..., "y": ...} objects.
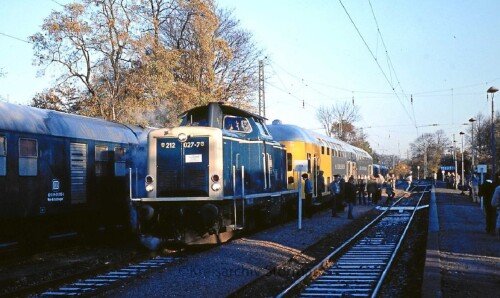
[{"x": 78, "y": 166}]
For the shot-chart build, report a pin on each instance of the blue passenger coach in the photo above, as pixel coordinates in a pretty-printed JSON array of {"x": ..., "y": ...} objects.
[
  {"x": 61, "y": 173},
  {"x": 220, "y": 171}
]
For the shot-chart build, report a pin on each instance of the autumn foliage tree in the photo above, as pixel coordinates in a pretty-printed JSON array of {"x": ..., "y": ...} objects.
[{"x": 146, "y": 61}]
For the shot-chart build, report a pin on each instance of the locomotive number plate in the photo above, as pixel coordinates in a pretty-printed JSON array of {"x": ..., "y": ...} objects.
[
  {"x": 167, "y": 145},
  {"x": 193, "y": 144}
]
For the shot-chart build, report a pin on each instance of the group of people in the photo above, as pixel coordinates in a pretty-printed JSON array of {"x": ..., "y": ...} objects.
[{"x": 347, "y": 192}]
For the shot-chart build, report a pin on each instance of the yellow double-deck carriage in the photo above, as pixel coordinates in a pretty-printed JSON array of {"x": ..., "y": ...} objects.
[{"x": 323, "y": 153}]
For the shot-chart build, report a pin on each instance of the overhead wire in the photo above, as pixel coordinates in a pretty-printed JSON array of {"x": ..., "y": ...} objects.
[
  {"x": 16, "y": 38},
  {"x": 377, "y": 62}
]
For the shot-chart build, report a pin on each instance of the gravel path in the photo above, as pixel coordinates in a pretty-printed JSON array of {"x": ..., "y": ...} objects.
[{"x": 222, "y": 270}]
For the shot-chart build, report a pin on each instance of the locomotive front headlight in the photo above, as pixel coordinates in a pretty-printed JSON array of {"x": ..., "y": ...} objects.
[
  {"x": 149, "y": 183},
  {"x": 216, "y": 187}
]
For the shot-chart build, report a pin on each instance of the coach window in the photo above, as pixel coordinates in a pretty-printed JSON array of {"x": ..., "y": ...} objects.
[
  {"x": 289, "y": 161},
  {"x": 28, "y": 157},
  {"x": 120, "y": 165},
  {"x": 101, "y": 160},
  {"x": 3, "y": 156}
]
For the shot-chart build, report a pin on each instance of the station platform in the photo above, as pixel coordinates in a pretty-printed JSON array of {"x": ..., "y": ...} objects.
[{"x": 462, "y": 260}]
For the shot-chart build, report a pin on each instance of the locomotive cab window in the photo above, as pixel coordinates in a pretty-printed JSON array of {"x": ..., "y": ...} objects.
[
  {"x": 101, "y": 160},
  {"x": 262, "y": 127},
  {"x": 28, "y": 157},
  {"x": 3, "y": 156},
  {"x": 198, "y": 118},
  {"x": 237, "y": 124}
]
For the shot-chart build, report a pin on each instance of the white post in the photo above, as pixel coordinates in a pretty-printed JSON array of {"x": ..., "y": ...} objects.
[
  {"x": 300, "y": 165},
  {"x": 299, "y": 220}
]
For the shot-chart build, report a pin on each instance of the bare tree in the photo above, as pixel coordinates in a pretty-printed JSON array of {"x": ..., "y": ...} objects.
[
  {"x": 90, "y": 41},
  {"x": 338, "y": 120},
  {"x": 146, "y": 61},
  {"x": 428, "y": 150}
]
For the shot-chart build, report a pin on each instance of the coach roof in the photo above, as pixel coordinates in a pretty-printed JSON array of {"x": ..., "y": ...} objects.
[{"x": 27, "y": 119}]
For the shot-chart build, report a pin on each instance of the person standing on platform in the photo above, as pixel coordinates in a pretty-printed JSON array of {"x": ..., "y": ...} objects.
[
  {"x": 495, "y": 203},
  {"x": 371, "y": 189},
  {"x": 350, "y": 195},
  {"x": 474, "y": 188},
  {"x": 409, "y": 179},
  {"x": 308, "y": 190},
  {"x": 361, "y": 191},
  {"x": 321, "y": 188},
  {"x": 486, "y": 191},
  {"x": 334, "y": 189}
]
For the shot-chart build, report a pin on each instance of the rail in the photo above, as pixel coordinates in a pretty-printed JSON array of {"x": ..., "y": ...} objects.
[{"x": 360, "y": 265}]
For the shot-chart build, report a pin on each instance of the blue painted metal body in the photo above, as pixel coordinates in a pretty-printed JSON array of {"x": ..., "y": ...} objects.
[
  {"x": 60, "y": 171},
  {"x": 218, "y": 169}
]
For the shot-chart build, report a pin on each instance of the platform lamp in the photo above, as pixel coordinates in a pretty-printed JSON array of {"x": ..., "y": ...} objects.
[
  {"x": 463, "y": 177},
  {"x": 472, "y": 120},
  {"x": 492, "y": 91}
]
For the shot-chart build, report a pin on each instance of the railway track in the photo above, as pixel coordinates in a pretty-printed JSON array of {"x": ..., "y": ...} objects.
[
  {"x": 358, "y": 268},
  {"x": 97, "y": 284}
]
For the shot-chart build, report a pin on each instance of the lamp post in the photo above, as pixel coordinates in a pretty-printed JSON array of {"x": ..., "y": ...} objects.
[
  {"x": 492, "y": 91},
  {"x": 472, "y": 120},
  {"x": 418, "y": 172},
  {"x": 455, "y": 160},
  {"x": 463, "y": 177}
]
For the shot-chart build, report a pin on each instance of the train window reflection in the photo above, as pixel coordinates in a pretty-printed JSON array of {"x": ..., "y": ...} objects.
[
  {"x": 3, "y": 154},
  {"x": 28, "y": 157},
  {"x": 101, "y": 160},
  {"x": 3, "y": 146},
  {"x": 120, "y": 165},
  {"x": 238, "y": 124}
]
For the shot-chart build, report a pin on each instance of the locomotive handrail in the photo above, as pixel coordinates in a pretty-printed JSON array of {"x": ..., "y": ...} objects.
[{"x": 264, "y": 169}]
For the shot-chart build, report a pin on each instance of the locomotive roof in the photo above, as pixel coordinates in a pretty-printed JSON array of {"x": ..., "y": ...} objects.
[
  {"x": 48, "y": 122},
  {"x": 226, "y": 109}
]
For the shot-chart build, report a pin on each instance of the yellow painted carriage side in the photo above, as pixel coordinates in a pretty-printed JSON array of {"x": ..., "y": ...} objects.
[{"x": 297, "y": 150}]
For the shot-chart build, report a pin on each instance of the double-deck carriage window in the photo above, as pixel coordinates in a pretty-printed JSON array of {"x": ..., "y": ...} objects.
[
  {"x": 101, "y": 160},
  {"x": 3, "y": 156},
  {"x": 28, "y": 157},
  {"x": 120, "y": 164}
]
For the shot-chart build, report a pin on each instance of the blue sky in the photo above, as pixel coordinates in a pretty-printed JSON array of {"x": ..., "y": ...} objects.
[{"x": 445, "y": 54}]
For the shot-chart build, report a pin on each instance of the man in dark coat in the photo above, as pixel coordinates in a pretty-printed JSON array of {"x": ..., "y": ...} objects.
[
  {"x": 486, "y": 191},
  {"x": 321, "y": 188},
  {"x": 308, "y": 190},
  {"x": 336, "y": 193},
  {"x": 350, "y": 195}
]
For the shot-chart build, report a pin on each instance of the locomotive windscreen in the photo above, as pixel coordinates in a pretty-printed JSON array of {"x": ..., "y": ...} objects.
[{"x": 182, "y": 167}]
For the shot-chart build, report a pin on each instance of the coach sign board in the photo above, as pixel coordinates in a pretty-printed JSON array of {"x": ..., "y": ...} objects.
[{"x": 482, "y": 169}]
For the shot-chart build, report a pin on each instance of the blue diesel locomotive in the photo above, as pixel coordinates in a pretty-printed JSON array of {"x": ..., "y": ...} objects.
[
  {"x": 61, "y": 173},
  {"x": 218, "y": 172}
]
